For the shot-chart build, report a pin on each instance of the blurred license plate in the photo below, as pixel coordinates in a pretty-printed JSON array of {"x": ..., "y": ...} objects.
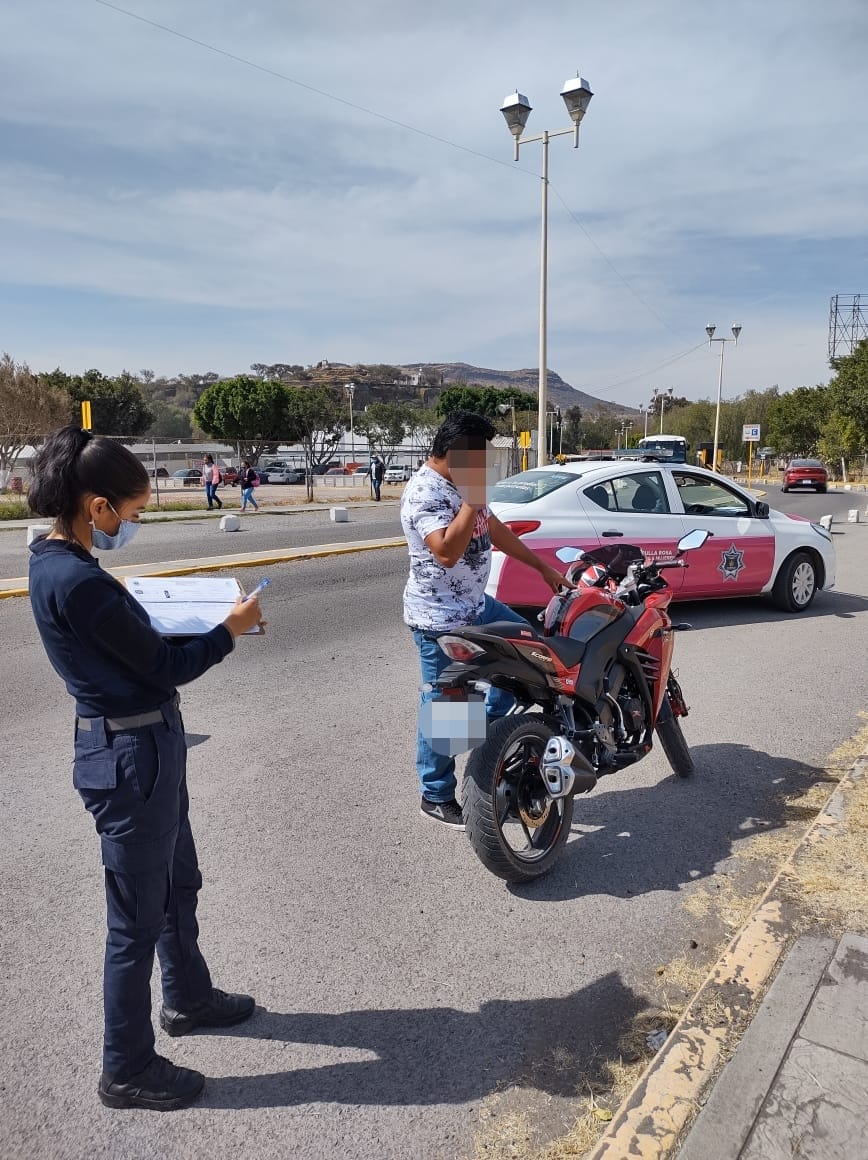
[{"x": 451, "y": 725}]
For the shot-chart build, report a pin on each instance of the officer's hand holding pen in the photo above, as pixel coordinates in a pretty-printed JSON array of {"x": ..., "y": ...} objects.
[{"x": 246, "y": 614}]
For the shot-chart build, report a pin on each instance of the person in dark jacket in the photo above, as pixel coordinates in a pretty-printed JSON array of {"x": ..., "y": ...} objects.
[
  {"x": 378, "y": 470},
  {"x": 130, "y": 759},
  {"x": 248, "y": 480}
]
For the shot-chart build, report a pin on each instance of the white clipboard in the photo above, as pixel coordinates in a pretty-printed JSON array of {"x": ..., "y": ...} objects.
[{"x": 186, "y": 605}]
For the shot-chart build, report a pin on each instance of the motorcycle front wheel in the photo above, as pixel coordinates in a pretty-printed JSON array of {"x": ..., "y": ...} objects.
[
  {"x": 516, "y": 829},
  {"x": 672, "y": 740}
]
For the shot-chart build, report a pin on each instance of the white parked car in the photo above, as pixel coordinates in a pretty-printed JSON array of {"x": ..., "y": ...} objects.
[
  {"x": 752, "y": 550},
  {"x": 398, "y": 473}
]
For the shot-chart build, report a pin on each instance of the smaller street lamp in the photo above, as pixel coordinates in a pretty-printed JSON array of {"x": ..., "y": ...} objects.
[
  {"x": 513, "y": 455},
  {"x": 709, "y": 330}
]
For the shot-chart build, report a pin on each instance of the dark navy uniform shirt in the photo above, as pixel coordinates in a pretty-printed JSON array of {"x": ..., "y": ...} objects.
[{"x": 100, "y": 640}]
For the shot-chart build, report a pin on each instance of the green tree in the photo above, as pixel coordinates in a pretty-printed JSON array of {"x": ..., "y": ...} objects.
[
  {"x": 839, "y": 439},
  {"x": 422, "y": 423},
  {"x": 572, "y": 430},
  {"x": 385, "y": 426},
  {"x": 118, "y": 406},
  {"x": 848, "y": 390},
  {"x": 482, "y": 400},
  {"x": 796, "y": 419},
  {"x": 316, "y": 421},
  {"x": 254, "y": 413},
  {"x": 169, "y": 422},
  {"x": 30, "y": 408}
]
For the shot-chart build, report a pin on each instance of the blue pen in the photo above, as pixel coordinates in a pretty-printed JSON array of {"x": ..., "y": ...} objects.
[{"x": 260, "y": 587}]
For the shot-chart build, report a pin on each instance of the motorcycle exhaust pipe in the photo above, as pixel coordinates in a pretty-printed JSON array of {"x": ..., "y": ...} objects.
[{"x": 565, "y": 770}]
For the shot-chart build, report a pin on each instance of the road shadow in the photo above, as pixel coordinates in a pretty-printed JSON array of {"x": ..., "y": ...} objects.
[
  {"x": 664, "y": 836},
  {"x": 436, "y": 1055},
  {"x": 194, "y": 739},
  {"x": 758, "y": 610}
]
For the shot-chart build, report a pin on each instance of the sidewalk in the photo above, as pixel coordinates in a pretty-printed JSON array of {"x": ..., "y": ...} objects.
[{"x": 798, "y": 1082}]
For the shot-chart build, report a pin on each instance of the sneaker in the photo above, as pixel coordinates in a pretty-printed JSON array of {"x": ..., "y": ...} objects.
[
  {"x": 447, "y": 813},
  {"x": 161, "y": 1086},
  {"x": 220, "y": 1010}
]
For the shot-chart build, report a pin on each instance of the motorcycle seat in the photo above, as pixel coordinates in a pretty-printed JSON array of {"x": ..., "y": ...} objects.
[{"x": 569, "y": 652}]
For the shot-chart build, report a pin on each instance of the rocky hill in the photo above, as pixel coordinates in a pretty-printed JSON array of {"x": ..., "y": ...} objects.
[{"x": 560, "y": 393}]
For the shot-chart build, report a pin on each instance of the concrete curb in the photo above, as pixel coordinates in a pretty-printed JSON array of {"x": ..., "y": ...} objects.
[
  {"x": 220, "y": 563},
  {"x": 652, "y": 1117}
]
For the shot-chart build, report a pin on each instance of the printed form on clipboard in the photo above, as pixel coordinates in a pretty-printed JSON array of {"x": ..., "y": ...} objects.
[{"x": 186, "y": 605}]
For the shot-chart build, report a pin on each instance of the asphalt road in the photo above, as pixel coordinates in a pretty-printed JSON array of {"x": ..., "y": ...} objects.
[
  {"x": 193, "y": 539},
  {"x": 407, "y": 998}
]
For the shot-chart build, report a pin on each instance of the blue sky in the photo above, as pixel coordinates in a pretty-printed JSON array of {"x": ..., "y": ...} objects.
[{"x": 164, "y": 206}]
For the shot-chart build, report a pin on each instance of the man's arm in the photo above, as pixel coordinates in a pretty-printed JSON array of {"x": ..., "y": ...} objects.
[
  {"x": 448, "y": 545},
  {"x": 509, "y": 543}
]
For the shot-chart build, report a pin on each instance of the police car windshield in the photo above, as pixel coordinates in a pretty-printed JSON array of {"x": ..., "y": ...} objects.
[{"x": 530, "y": 485}]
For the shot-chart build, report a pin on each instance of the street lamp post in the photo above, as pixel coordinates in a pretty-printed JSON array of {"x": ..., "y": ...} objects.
[
  {"x": 516, "y": 109},
  {"x": 513, "y": 454},
  {"x": 662, "y": 397},
  {"x": 349, "y": 391},
  {"x": 709, "y": 330},
  {"x": 643, "y": 411}
]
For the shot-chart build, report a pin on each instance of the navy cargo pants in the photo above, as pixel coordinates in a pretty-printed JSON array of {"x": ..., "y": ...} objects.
[{"x": 134, "y": 783}]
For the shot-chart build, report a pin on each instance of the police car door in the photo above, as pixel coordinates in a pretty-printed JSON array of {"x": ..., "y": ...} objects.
[
  {"x": 738, "y": 560},
  {"x": 635, "y": 508}
]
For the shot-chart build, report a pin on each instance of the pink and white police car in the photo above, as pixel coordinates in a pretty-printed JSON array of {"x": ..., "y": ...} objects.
[{"x": 753, "y": 550}]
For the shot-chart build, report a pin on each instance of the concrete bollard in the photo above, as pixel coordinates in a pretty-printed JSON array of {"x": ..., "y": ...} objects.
[
  {"x": 339, "y": 515},
  {"x": 826, "y": 522},
  {"x": 37, "y": 530},
  {"x": 854, "y": 516},
  {"x": 230, "y": 523}
]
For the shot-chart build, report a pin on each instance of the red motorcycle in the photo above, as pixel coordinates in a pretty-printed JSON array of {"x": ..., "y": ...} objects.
[{"x": 600, "y": 674}]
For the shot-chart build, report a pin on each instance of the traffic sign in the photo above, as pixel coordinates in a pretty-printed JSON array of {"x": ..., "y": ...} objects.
[
  {"x": 86, "y": 421},
  {"x": 751, "y": 433}
]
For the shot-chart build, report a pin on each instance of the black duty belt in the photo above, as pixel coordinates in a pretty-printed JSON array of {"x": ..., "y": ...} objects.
[{"x": 117, "y": 724}]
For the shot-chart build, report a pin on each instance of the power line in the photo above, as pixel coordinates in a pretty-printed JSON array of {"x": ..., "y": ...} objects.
[
  {"x": 310, "y": 88},
  {"x": 641, "y": 374},
  {"x": 512, "y": 166},
  {"x": 610, "y": 263}
]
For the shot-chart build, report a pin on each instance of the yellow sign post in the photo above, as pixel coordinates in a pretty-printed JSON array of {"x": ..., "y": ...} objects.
[
  {"x": 86, "y": 421},
  {"x": 524, "y": 441}
]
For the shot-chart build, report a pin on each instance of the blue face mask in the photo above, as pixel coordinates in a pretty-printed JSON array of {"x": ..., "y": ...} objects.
[{"x": 106, "y": 543}]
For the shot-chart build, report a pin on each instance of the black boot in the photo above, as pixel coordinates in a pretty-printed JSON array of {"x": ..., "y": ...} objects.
[
  {"x": 161, "y": 1086},
  {"x": 221, "y": 1010}
]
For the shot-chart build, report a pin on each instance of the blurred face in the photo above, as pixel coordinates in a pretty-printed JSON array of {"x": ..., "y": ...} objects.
[{"x": 468, "y": 470}]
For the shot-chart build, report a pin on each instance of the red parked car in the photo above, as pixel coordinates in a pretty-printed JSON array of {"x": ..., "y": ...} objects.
[{"x": 805, "y": 473}]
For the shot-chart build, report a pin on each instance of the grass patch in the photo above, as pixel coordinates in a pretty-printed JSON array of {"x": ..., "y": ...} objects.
[{"x": 14, "y": 509}]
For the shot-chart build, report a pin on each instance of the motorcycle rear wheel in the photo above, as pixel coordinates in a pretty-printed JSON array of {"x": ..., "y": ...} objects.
[
  {"x": 672, "y": 740},
  {"x": 516, "y": 829}
]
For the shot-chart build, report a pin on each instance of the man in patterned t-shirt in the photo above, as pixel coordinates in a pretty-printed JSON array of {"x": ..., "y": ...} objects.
[{"x": 450, "y": 533}]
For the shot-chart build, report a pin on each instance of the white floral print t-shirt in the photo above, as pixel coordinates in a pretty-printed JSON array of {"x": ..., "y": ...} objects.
[{"x": 436, "y": 597}]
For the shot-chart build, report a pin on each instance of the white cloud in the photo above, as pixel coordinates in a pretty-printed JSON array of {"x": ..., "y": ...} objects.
[{"x": 720, "y": 170}]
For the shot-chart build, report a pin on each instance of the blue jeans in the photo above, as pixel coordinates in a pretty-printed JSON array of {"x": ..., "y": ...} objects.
[
  {"x": 211, "y": 495},
  {"x": 435, "y": 770},
  {"x": 247, "y": 497}
]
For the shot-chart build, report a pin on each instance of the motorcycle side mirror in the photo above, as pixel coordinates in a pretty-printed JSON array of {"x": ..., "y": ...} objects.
[
  {"x": 568, "y": 555},
  {"x": 694, "y": 539}
]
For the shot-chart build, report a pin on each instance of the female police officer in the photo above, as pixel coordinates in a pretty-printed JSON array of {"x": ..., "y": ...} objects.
[{"x": 130, "y": 759}]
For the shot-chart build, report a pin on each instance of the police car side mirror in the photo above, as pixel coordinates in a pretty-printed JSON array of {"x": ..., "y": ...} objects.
[{"x": 761, "y": 510}]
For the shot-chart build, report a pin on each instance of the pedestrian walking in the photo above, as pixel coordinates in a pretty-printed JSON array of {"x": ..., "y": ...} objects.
[
  {"x": 211, "y": 475},
  {"x": 378, "y": 470},
  {"x": 249, "y": 480},
  {"x": 450, "y": 533},
  {"x": 130, "y": 759}
]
